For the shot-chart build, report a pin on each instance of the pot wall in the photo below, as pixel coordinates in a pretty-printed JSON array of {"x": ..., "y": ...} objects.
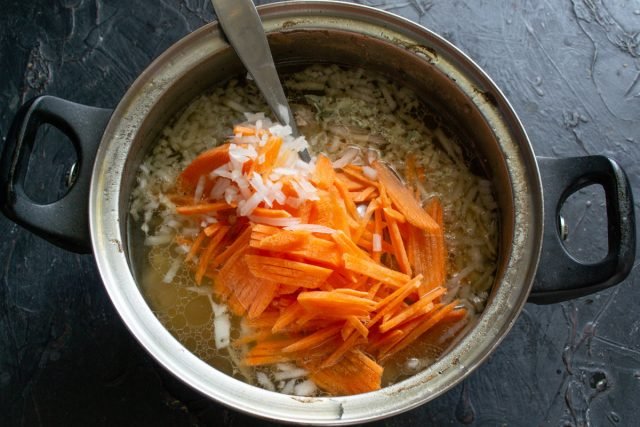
[{"x": 436, "y": 69}]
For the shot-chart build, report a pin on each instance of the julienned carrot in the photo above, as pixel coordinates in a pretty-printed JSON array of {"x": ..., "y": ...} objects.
[
  {"x": 241, "y": 242},
  {"x": 435, "y": 210},
  {"x": 335, "y": 304},
  {"x": 403, "y": 199},
  {"x": 203, "y": 263},
  {"x": 195, "y": 246},
  {"x": 342, "y": 349},
  {"x": 315, "y": 339},
  {"x": 421, "y": 328},
  {"x": 349, "y": 202},
  {"x": 271, "y": 213},
  {"x": 427, "y": 250},
  {"x": 398, "y": 244},
  {"x": 283, "y": 241},
  {"x": 422, "y": 306},
  {"x": 267, "y": 155},
  {"x": 394, "y": 299},
  {"x": 315, "y": 297},
  {"x": 203, "y": 165},
  {"x": 392, "y": 213},
  {"x": 357, "y": 325},
  {"x": 350, "y": 183},
  {"x": 288, "y": 316},
  {"x": 324, "y": 175},
  {"x": 364, "y": 195},
  {"x": 286, "y": 271},
  {"x": 354, "y": 373},
  {"x": 210, "y": 229},
  {"x": 204, "y": 208},
  {"x": 247, "y": 131},
  {"x": 372, "y": 269},
  {"x": 269, "y": 352}
]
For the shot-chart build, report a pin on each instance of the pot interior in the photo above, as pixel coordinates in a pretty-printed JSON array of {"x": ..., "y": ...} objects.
[{"x": 452, "y": 87}]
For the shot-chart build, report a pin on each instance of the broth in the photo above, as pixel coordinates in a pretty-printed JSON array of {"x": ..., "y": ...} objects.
[{"x": 335, "y": 109}]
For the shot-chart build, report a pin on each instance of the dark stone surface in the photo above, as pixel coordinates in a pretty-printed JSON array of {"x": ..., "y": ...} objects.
[{"x": 571, "y": 70}]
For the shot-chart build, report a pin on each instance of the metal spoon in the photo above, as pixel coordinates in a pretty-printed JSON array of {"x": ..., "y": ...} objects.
[{"x": 241, "y": 24}]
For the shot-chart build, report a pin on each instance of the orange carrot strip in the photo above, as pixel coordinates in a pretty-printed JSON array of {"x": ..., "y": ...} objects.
[
  {"x": 364, "y": 195},
  {"x": 354, "y": 373},
  {"x": 323, "y": 176},
  {"x": 241, "y": 241},
  {"x": 422, "y": 306},
  {"x": 364, "y": 221},
  {"x": 283, "y": 241},
  {"x": 434, "y": 208},
  {"x": 356, "y": 174},
  {"x": 339, "y": 211},
  {"x": 203, "y": 208},
  {"x": 394, "y": 299},
  {"x": 287, "y": 271},
  {"x": 349, "y": 183},
  {"x": 358, "y": 326},
  {"x": 335, "y": 304},
  {"x": 271, "y": 213},
  {"x": 348, "y": 200},
  {"x": 373, "y": 290},
  {"x": 392, "y": 213},
  {"x": 252, "y": 337},
  {"x": 269, "y": 154},
  {"x": 202, "y": 165},
  {"x": 353, "y": 292},
  {"x": 288, "y": 316},
  {"x": 403, "y": 199},
  {"x": 342, "y": 349},
  {"x": 387, "y": 340},
  {"x": 398, "y": 245},
  {"x": 268, "y": 352},
  {"x": 410, "y": 171},
  {"x": 374, "y": 270},
  {"x": 210, "y": 229},
  {"x": 195, "y": 246},
  {"x": 346, "y": 245},
  {"x": 203, "y": 263},
  {"x": 423, "y": 327},
  {"x": 313, "y": 340},
  {"x": 247, "y": 131}
]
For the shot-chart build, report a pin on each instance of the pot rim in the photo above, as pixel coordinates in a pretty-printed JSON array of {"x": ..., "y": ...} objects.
[{"x": 108, "y": 221}]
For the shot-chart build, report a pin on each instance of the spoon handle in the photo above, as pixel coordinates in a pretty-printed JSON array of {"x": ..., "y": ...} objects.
[{"x": 242, "y": 26}]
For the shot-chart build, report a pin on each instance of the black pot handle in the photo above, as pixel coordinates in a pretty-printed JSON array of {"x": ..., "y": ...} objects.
[
  {"x": 64, "y": 222},
  {"x": 560, "y": 276}
]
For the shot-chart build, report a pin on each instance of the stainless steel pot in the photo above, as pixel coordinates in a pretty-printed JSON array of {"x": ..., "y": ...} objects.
[{"x": 93, "y": 215}]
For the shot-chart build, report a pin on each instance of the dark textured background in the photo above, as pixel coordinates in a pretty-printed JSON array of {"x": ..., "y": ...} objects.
[{"x": 571, "y": 68}]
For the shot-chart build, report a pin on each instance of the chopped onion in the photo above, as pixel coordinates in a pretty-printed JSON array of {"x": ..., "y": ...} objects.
[
  {"x": 264, "y": 381},
  {"x": 221, "y": 330},
  {"x": 289, "y": 374},
  {"x": 171, "y": 273},
  {"x": 200, "y": 290},
  {"x": 346, "y": 158},
  {"x": 288, "y": 387},
  {"x": 305, "y": 388},
  {"x": 161, "y": 239},
  {"x": 370, "y": 173}
]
